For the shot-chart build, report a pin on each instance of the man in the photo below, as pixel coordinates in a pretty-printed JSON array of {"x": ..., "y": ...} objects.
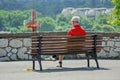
[{"x": 76, "y": 30}]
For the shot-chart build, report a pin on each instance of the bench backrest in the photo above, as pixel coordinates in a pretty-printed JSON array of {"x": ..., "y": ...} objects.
[{"x": 63, "y": 44}]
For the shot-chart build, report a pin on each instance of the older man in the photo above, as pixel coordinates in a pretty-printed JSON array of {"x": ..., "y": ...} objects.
[{"x": 76, "y": 30}]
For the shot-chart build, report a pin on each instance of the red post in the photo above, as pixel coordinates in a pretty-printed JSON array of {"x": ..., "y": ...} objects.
[{"x": 33, "y": 24}]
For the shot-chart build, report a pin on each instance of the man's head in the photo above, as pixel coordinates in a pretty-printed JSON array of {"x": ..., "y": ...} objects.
[{"x": 75, "y": 20}]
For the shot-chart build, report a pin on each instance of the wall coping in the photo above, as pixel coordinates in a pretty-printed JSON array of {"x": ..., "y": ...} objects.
[{"x": 29, "y": 34}]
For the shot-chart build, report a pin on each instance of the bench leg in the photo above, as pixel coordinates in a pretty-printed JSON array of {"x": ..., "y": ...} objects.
[
  {"x": 88, "y": 61},
  {"x": 39, "y": 61},
  {"x": 33, "y": 57},
  {"x": 96, "y": 60}
]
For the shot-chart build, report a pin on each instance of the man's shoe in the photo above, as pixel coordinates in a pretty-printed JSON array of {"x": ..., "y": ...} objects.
[
  {"x": 50, "y": 58},
  {"x": 54, "y": 56},
  {"x": 60, "y": 64}
]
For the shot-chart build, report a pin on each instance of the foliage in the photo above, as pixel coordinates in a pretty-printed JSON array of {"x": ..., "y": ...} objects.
[
  {"x": 63, "y": 22},
  {"x": 14, "y": 12},
  {"x": 52, "y": 7},
  {"x": 108, "y": 28},
  {"x": 12, "y": 21},
  {"x": 47, "y": 24},
  {"x": 86, "y": 22},
  {"x": 103, "y": 28},
  {"x": 115, "y": 15},
  {"x": 97, "y": 28},
  {"x": 102, "y": 19},
  {"x": 3, "y": 18}
]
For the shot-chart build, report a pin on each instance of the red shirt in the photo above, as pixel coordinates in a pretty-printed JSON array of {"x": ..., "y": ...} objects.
[{"x": 77, "y": 31}]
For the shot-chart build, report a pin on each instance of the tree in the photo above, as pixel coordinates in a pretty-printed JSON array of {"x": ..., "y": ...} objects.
[
  {"x": 86, "y": 23},
  {"x": 101, "y": 19},
  {"x": 115, "y": 15},
  {"x": 97, "y": 28},
  {"x": 103, "y": 28},
  {"x": 117, "y": 28},
  {"x": 15, "y": 19},
  {"x": 108, "y": 28},
  {"x": 3, "y": 18},
  {"x": 47, "y": 24},
  {"x": 63, "y": 23}
]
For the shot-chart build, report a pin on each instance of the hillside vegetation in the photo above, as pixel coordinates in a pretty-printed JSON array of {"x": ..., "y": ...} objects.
[{"x": 14, "y": 12}]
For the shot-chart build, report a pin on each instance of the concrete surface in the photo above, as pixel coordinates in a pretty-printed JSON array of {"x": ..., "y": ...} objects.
[{"x": 72, "y": 70}]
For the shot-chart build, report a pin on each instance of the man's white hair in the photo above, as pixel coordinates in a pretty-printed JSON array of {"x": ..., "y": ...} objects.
[{"x": 75, "y": 18}]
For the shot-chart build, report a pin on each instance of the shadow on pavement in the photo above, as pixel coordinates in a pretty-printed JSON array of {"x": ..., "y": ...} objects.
[{"x": 64, "y": 69}]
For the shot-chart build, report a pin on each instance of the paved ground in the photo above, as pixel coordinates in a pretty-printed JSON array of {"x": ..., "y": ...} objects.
[{"x": 72, "y": 70}]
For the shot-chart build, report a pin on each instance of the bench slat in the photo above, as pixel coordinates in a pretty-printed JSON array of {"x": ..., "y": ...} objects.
[
  {"x": 69, "y": 39},
  {"x": 63, "y": 44}
]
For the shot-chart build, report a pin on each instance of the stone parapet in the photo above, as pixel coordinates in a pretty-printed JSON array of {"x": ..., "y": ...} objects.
[{"x": 13, "y": 46}]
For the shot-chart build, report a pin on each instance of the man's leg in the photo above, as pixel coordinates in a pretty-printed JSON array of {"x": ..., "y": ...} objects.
[{"x": 60, "y": 60}]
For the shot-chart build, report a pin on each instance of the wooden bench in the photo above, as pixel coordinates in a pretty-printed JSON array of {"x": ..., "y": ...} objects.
[{"x": 62, "y": 44}]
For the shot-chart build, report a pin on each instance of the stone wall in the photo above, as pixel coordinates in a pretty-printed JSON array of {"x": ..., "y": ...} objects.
[
  {"x": 111, "y": 47},
  {"x": 13, "y": 46}
]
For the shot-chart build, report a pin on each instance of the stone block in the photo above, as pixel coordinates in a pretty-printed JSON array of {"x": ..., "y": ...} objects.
[
  {"x": 8, "y": 49},
  {"x": 4, "y": 58},
  {"x": 21, "y": 53},
  {"x": 16, "y": 43},
  {"x": 3, "y": 43},
  {"x": 102, "y": 52},
  {"x": 27, "y": 42},
  {"x": 113, "y": 54},
  {"x": 103, "y": 43},
  {"x": 9, "y": 54},
  {"x": 117, "y": 50},
  {"x": 13, "y": 57},
  {"x": 14, "y": 50},
  {"x": 2, "y": 52},
  {"x": 106, "y": 49},
  {"x": 110, "y": 43},
  {"x": 117, "y": 44}
]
